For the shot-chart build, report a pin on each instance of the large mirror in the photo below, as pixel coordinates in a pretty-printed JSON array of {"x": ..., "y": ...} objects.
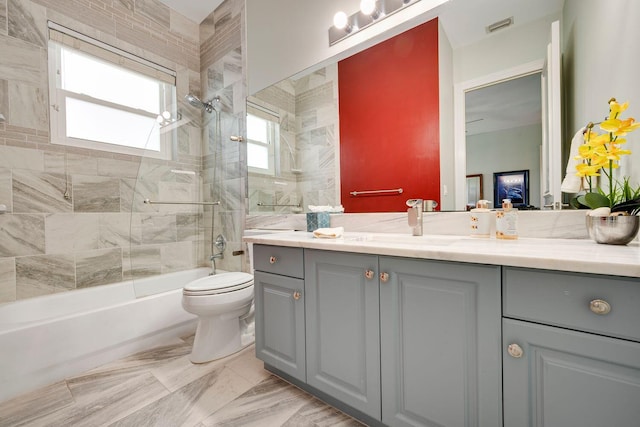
[{"x": 306, "y": 112}]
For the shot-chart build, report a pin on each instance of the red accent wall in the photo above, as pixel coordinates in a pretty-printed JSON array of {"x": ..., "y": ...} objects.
[{"x": 389, "y": 121}]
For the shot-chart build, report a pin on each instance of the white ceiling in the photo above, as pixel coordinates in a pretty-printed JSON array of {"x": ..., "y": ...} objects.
[{"x": 505, "y": 105}]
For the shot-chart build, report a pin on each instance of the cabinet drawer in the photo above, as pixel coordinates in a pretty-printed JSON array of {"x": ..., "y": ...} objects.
[
  {"x": 568, "y": 299},
  {"x": 279, "y": 260}
]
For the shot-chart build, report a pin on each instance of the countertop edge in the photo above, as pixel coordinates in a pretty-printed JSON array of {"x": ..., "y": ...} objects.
[{"x": 571, "y": 255}]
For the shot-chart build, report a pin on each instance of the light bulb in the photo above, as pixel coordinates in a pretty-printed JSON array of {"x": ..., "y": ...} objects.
[
  {"x": 368, "y": 6},
  {"x": 340, "y": 20},
  {"x": 166, "y": 115},
  {"x": 159, "y": 119}
]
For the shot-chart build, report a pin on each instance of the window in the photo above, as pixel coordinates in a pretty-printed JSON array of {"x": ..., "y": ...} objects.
[
  {"x": 261, "y": 144},
  {"x": 106, "y": 99}
]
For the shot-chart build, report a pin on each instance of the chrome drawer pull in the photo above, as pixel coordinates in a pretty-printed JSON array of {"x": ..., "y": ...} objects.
[
  {"x": 297, "y": 295},
  {"x": 384, "y": 277},
  {"x": 369, "y": 274},
  {"x": 599, "y": 306},
  {"x": 515, "y": 350},
  {"x": 272, "y": 260}
]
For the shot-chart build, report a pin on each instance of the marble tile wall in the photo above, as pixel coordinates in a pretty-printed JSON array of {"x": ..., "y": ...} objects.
[
  {"x": 224, "y": 161},
  {"x": 76, "y": 217},
  {"x": 309, "y": 122}
]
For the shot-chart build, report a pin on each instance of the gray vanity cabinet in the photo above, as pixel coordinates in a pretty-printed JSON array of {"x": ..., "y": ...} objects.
[
  {"x": 571, "y": 346},
  {"x": 343, "y": 335},
  {"x": 440, "y": 333},
  {"x": 279, "y": 308}
]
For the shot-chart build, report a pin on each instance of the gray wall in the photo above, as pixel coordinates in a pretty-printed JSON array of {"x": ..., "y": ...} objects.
[
  {"x": 597, "y": 35},
  {"x": 506, "y": 150}
]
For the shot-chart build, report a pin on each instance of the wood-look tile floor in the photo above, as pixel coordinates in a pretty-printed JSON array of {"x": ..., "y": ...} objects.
[{"x": 161, "y": 387}]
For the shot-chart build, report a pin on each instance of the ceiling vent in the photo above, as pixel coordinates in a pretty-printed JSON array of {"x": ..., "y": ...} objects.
[{"x": 499, "y": 25}]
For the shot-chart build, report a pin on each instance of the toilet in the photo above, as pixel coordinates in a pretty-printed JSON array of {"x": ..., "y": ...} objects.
[{"x": 221, "y": 302}]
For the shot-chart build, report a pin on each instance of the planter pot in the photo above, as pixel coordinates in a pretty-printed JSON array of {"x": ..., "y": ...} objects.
[{"x": 613, "y": 230}]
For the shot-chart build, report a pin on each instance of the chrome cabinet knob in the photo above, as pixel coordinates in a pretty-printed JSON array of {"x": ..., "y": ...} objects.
[
  {"x": 297, "y": 295},
  {"x": 384, "y": 277},
  {"x": 369, "y": 274},
  {"x": 515, "y": 350},
  {"x": 272, "y": 260},
  {"x": 599, "y": 306}
]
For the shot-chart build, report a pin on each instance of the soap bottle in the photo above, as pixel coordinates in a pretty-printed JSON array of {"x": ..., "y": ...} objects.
[
  {"x": 507, "y": 221},
  {"x": 481, "y": 219}
]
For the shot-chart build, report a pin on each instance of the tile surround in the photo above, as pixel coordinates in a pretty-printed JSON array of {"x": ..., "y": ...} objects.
[
  {"x": 44, "y": 274},
  {"x": 93, "y": 233}
]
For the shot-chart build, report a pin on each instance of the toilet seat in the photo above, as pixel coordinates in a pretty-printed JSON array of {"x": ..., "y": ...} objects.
[{"x": 218, "y": 284}]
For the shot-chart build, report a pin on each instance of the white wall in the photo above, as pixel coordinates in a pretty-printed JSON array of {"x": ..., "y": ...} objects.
[
  {"x": 502, "y": 50},
  {"x": 601, "y": 61},
  {"x": 503, "y": 151},
  {"x": 445, "y": 71},
  {"x": 281, "y": 44}
]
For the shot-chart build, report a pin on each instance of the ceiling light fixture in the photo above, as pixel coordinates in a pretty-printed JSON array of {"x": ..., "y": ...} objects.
[
  {"x": 371, "y": 11},
  {"x": 369, "y": 8}
]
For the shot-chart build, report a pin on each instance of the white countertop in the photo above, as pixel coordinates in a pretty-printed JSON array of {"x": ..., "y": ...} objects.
[{"x": 575, "y": 255}]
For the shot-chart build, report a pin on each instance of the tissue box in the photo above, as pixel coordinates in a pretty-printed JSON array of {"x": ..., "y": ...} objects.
[{"x": 317, "y": 220}]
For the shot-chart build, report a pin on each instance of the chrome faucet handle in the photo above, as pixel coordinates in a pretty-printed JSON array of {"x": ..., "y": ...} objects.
[{"x": 414, "y": 203}]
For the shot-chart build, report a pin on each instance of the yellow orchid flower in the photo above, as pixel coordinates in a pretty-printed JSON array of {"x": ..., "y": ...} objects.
[
  {"x": 584, "y": 169},
  {"x": 614, "y": 152},
  {"x": 601, "y": 153},
  {"x": 615, "y": 108}
]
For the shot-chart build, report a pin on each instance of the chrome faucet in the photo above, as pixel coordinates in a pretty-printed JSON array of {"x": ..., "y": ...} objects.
[
  {"x": 415, "y": 215},
  {"x": 221, "y": 244}
]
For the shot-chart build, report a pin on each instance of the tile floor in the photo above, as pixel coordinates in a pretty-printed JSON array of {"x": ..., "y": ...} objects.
[{"x": 161, "y": 387}]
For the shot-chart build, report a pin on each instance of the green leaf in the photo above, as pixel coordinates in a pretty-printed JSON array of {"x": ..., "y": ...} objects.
[
  {"x": 575, "y": 203},
  {"x": 595, "y": 200}
]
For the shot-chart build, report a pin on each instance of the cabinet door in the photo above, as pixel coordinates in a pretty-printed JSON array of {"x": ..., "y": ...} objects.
[
  {"x": 279, "y": 304},
  {"x": 440, "y": 337},
  {"x": 569, "y": 379},
  {"x": 342, "y": 322}
]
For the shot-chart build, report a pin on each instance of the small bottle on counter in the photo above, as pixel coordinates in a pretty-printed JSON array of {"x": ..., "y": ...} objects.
[
  {"x": 507, "y": 221},
  {"x": 481, "y": 219}
]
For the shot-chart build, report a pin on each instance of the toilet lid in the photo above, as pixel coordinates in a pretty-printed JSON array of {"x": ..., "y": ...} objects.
[{"x": 219, "y": 283}]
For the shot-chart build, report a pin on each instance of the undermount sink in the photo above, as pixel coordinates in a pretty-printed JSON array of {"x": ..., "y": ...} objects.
[{"x": 405, "y": 239}]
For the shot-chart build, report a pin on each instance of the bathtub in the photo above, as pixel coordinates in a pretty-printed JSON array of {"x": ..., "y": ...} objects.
[{"x": 49, "y": 338}]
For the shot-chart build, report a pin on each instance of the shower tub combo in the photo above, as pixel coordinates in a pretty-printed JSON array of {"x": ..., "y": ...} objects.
[{"x": 49, "y": 338}]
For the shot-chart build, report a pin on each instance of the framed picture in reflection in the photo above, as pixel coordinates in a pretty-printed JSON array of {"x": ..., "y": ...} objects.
[{"x": 512, "y": 185}]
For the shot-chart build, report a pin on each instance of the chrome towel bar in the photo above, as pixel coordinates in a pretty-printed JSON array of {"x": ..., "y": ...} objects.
[
  {"x": 362, "y": 193},
  {"x": 150, "y": 202},
  {"x": 264, "y": 204}
]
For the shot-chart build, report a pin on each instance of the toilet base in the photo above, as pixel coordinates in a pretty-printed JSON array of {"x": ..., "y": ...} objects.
[{"x": 216, "y": 338}]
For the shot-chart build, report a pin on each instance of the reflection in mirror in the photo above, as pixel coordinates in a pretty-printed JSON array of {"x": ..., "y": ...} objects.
[
  {"x": 504, "y": 132},
  {"x": 292, "y": 144}
]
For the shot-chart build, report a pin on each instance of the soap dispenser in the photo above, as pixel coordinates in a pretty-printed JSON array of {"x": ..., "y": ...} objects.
[
  {"x": 481, "y": 219},
  {"x": 507, "y": 221}
]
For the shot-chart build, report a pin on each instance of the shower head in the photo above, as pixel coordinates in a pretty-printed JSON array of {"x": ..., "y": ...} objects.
[{"x": 208, "y": 106}]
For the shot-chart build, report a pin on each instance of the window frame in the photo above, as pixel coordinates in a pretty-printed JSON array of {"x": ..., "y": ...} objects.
[
  {"x": 58, "y": 97},
  {"x": 273, "y": 136}
]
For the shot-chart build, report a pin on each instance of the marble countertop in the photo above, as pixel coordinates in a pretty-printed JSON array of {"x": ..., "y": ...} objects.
[{"x": 575, "y": 255}]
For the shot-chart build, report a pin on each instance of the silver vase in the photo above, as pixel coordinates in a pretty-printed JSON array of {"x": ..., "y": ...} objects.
[{"x": 613, "y": 230}]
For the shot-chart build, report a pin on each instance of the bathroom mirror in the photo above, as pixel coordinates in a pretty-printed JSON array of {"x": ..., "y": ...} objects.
[{"x": 278, "y": 191}]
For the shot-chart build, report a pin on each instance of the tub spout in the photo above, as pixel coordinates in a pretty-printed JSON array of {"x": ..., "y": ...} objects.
[{"x": 213, "y": 258}]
